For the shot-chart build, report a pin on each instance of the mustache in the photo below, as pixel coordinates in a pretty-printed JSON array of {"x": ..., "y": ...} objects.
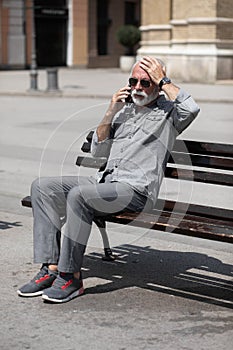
[{"x": 139, "y": 93}]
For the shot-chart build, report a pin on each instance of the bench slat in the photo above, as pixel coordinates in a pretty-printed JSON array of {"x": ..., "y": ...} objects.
[
  {"x": 88, "y": 162},
  {"x": 89, "y": 136},
  {"x": 86, "y": 147},
  {"x": 199, "y": 176},
  {"x": 179, "y": 226},
  {"x": 192, "y": 217},
  {"x": 183, "y": 223},
  {"x": 195, "y": 209},
  {"x": 179, "y": 207},
  {"x": 224, "y": 163},
  {"x": 191, "y": 151},
  {"x": 26, "y": 202},
  {"x": 198, "y": 147},
  {"x": 193, "y": 147},
  {"x": 170, "y": 172}
]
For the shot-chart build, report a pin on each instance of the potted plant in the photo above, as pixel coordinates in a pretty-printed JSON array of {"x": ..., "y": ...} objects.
[{"x": 128, "y": 36}]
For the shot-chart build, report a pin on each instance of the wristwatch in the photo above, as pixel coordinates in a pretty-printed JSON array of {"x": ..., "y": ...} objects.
[{"x": 164, "y": 81}]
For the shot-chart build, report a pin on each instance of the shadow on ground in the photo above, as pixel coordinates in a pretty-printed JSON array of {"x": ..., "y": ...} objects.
[
  {"x": 4, "y": 225},
  {"x": 186, "y": 274}
]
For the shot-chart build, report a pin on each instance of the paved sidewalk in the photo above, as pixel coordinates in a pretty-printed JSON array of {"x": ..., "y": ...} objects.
[
  {"x": 99, "y": 83},
  {"x": 160, "y": 293},
  {"x": 164, "y": 291}
]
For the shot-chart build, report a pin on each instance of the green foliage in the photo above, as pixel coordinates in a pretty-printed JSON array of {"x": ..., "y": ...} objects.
[{"x": 128, "y": 36}]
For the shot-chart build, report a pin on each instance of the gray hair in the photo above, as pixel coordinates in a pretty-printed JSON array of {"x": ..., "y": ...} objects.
[{"x": 158, "y": 59}]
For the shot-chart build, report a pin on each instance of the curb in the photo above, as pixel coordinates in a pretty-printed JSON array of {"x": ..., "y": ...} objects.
[{"x": 62, "y": 94}]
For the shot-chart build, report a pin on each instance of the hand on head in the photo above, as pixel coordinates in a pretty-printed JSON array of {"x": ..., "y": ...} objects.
[
  {"x": 154, "y": 67},
  {"x": 144, "y": 83}
]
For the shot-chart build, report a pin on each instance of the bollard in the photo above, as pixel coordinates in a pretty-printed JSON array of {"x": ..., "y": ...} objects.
[
  {"x": 52, "y": 80},
  {"x": 33, "y": 80}
]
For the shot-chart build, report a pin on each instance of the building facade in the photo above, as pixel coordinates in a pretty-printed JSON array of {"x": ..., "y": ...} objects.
[
  {"x": 12, "y": 36},
  {"x": 67, "y": 32},
  {"x": 194, "y": 37}
]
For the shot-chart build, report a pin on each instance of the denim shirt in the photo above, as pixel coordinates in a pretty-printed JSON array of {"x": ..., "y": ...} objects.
[{"x": 141, "y": 141}]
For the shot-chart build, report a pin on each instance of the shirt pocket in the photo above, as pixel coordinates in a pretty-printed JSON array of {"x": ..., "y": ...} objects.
[{"x": 152, "y": 123}]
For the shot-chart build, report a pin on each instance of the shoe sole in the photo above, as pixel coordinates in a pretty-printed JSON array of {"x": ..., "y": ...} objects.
[
  {"x": 35, "y": 294},
  {"x": 70, "y": 297}
]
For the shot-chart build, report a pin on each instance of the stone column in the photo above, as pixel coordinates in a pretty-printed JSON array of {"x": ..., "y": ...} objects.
[
  {"x": 201, "y": 38},
  {"x": 155, "y": 27},
  {"x": 80, "y": 32}
]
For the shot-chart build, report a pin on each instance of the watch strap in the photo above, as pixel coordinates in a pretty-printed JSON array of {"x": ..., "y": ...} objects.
[{"x": 164, "y": 81}]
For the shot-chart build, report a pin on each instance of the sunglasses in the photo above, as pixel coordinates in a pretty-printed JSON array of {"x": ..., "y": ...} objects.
[{"x": 144, "y": 83}]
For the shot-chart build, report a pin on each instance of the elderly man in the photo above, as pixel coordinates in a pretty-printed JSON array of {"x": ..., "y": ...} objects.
[{"x": 136, "y": 138}]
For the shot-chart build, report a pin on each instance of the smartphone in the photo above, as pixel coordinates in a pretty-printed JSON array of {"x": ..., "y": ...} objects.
[{"x": 129, "y": 98}]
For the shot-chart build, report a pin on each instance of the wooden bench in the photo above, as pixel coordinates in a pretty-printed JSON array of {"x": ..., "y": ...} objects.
[{"x": 209, "y": 163}]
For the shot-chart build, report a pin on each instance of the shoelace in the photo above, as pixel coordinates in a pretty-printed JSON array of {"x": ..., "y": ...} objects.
[
  {"x": 40, "y": 274},
  {"x": 60, "y": 281}
]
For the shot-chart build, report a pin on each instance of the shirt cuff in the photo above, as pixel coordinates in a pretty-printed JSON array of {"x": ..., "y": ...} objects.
[{"x": 182, "y": 96}]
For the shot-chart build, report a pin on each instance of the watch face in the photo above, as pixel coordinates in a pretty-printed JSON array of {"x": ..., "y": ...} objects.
[{"x": 166, "y": 80}]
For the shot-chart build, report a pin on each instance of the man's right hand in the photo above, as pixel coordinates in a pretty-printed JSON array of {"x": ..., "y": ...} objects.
[
  {"x": 121, "y": 95},
  {"x": 116, "y": 104}
]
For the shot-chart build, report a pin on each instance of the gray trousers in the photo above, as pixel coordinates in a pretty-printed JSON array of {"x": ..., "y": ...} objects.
[{"x": 74, "y": 201}]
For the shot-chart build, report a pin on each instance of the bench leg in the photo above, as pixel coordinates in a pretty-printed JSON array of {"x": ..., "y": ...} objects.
[{"x": 108, "y": 255}]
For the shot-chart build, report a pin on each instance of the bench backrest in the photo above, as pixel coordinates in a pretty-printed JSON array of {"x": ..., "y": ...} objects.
[{"x": 189, "y": 160}]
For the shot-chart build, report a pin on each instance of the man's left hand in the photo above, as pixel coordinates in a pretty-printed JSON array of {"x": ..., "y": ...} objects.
[{"x": 154, "y": 68}]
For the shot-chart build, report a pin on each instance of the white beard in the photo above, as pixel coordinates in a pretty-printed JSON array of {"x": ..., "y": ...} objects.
[{"x": 146, "y": 98}]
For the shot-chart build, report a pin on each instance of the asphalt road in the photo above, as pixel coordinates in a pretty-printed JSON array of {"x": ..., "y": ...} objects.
[{"x": 163, "y": 291}]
